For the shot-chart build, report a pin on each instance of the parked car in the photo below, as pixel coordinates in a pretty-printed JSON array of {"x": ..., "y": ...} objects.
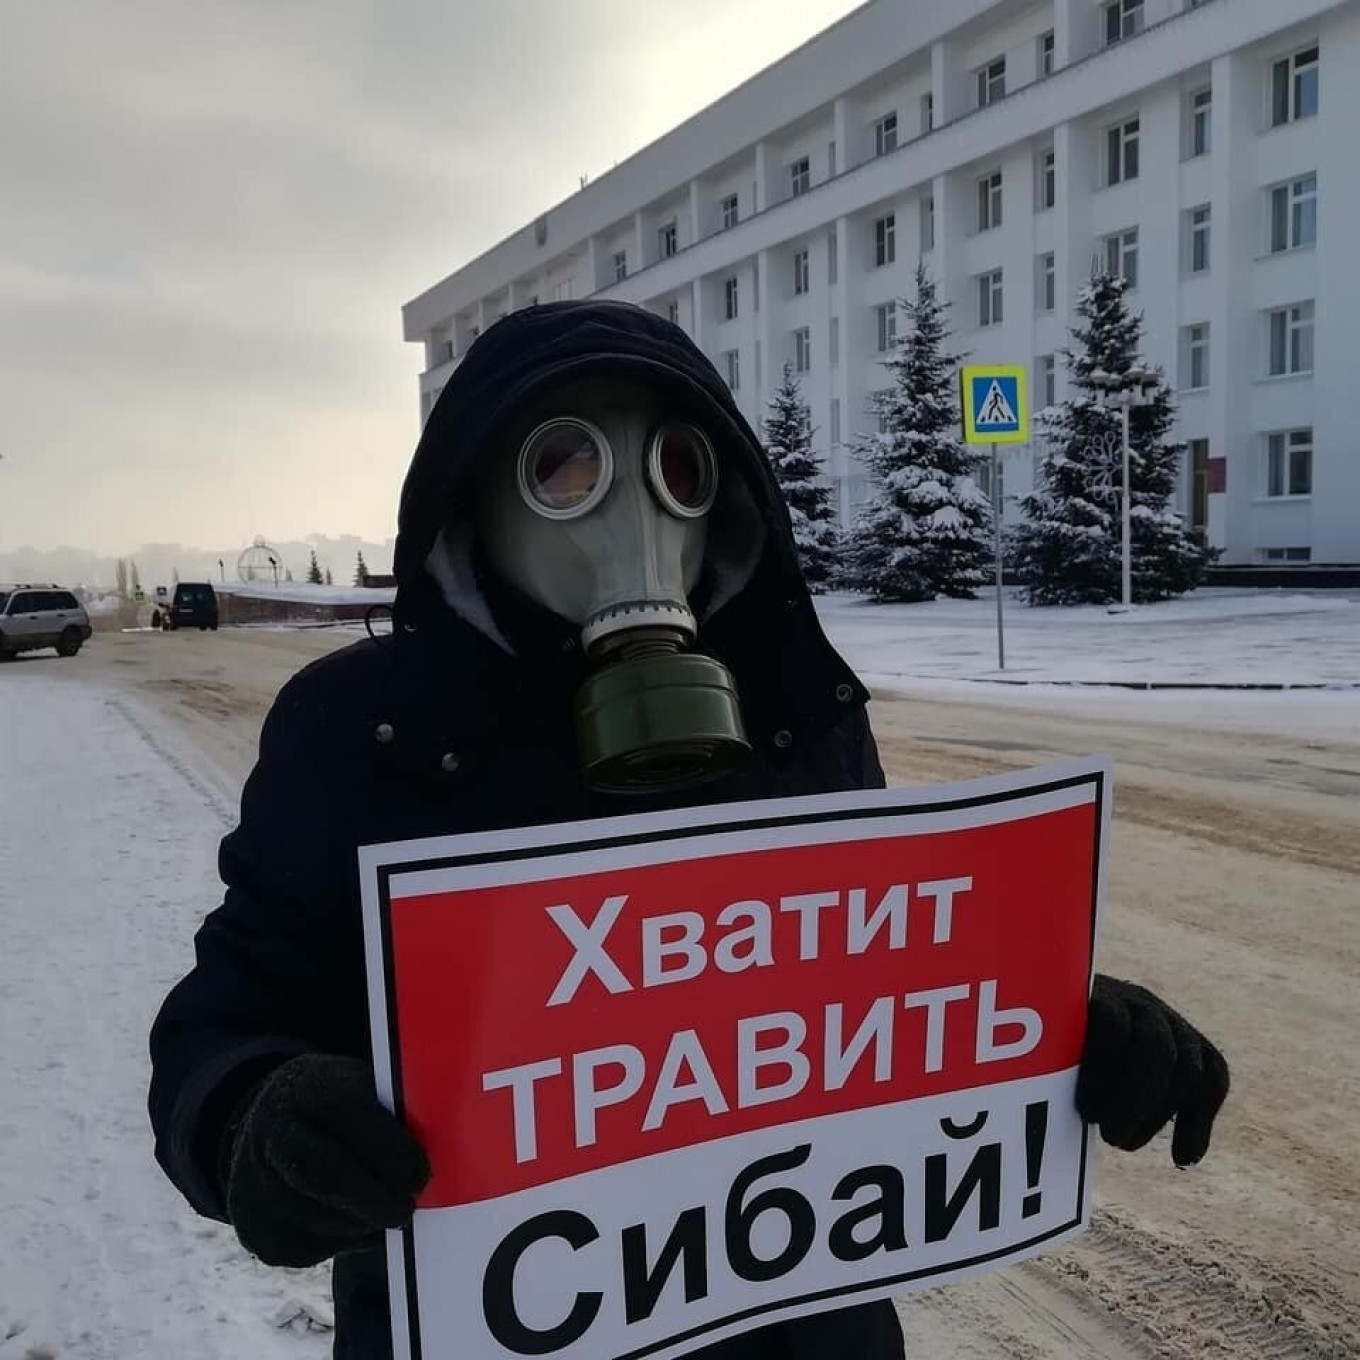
[
  {"x": 194, "y": 606},
  {"x": 36, "y": 616}
]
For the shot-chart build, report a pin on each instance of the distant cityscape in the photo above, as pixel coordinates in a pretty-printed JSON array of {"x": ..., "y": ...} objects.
[{"x": 158, "y": 563}]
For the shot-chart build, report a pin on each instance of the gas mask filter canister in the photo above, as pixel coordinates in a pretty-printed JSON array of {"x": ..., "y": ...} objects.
[{"x": 603, "y": 519}]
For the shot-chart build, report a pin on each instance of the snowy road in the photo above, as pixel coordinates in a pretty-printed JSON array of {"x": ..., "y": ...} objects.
[
  {"x": 1235, "y": 889},
  {"x": 107, "y": 859}
]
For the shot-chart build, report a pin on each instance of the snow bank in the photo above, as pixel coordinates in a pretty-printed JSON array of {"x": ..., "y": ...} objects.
[
  {"x": 299, "y": 592},
  {"x": 99, "y": 1256},
  {"x": 1211, "y": 637}
]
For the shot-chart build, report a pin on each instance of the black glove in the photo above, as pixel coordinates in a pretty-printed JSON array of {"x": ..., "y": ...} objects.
[
  {"x": 317, "y": 1165},
  {"x": 1143, "y": 1065}
]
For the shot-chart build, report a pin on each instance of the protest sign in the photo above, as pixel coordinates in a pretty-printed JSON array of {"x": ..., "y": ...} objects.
[{"x": 685, "y": 1074}]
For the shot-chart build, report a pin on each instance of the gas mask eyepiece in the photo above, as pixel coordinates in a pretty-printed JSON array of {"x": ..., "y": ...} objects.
[{"x": 604, "y": 520}]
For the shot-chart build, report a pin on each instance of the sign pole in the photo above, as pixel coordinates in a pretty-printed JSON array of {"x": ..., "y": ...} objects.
[
  {"x": 995, "y": 412},
  {"x": 996, "y": 526}
]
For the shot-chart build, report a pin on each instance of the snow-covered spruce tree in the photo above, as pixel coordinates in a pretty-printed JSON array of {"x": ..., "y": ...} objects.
[
  {"x": 360, "y": 570},
  {"x": 314, "y": 576},
  {"x": 788, "y": 442},
  {"x": 927, "y": 530},
  {"x": 1069, "y": 550}
]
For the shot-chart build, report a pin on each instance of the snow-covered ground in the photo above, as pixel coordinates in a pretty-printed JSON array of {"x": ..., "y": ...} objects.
[
  {"x": 1212, "y": 637},
  {"x": 299, "y": 592},
  {"x": 107, "y": 852}
]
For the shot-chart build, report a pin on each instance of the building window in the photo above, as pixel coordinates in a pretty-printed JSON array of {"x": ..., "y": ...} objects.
[
  {"x": 1287, "y": 554},
  {"x": 1294, "y": 88},
  {"x": 1197, "y": 227},
  {"x": 1293, "y": 214},
  {"x": 835, "y": 420},
  {"x": 800, "y": 176},
  {"x": 928, "y": 223},
  {"x": 885, "y": 134},
  {"x": 755, "y": 297},
  {"x": 1195, "y": 357},
  {"x": 983, "y": 478},
  {"x": 928, "y": 112},
  {"x": 620, "y": 265},
  {"x": 1046, "y": 47},
  {"x": 1121, "y": 152},
  {"x": 668, "y": 240},
  {"x": 731, "y": 212},
  {"x": 732, "y": 365},
  {"x": 989, "y": 201},
  {"x": 1048, "y": 381},
  {"x": 990, "y": 308},
  {"x": 1289, "y": 463},
  {"x": 880, "y": 405},
  {"x": 731, "y": 299},
  {"x": 1121, "y": 255},
  {"x": 1199, "y": 484},
  {"x": 802, "y": 349},
  {"x": 673, "y": 313},
  {"x": 802, "y": 274},
  {"x": 833, "y": 263},
  {"x": 886, "y": 319},
  {"x": 834, "y": 344},
  {"x": 1048, "y": 178},
  {"x": 1123, "y": 19},
  {"x": 831, "y": 160},
  {"x": 991, "y": 82},
  {"x": 885, "y": 240},
  {"x": 562, "y": 292},
  {"x": 1291, "y": 340},
  {"x": 1048, "y": 282},
  {"x": 1200, "y": 135}
]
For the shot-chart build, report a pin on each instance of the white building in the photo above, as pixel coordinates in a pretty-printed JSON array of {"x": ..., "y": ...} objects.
[{"x": 1209, "y": 148}]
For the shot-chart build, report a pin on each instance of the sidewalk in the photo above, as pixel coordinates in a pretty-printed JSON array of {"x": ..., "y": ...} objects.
[{"x": 107, "y": 865}]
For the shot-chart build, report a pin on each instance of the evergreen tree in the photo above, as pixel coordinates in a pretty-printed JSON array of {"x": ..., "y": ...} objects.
[
  {"x": 133, "y": 580},
  {"x": 288, "y": 574},
  {"x": 121, "y": 577},
  {"x": 329, "y": 580},
  {"x": 1069, "y": 551},
  {"x": 788, "y": 442},
  {"x": 927, "y": 531},
  {"x": 360, "y": 569},
  {"x": 314, "y": 577}
]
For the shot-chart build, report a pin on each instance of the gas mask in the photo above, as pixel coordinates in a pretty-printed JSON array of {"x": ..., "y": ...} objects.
[{"x": 599, "y": 511}]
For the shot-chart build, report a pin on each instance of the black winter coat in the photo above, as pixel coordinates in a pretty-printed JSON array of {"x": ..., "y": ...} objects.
[{"x": 436, "y": 730}]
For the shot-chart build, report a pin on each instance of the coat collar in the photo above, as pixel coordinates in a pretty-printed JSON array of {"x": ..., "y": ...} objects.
[{"x": 456, "y": 691}]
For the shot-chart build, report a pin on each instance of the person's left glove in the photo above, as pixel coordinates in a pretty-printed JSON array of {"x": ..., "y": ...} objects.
[
  {"x": 317, "y": 1165},
  {"x": 1144, "y": 1064}
]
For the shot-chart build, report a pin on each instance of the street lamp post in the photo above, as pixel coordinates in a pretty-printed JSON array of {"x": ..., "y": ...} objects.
[{"x": 1134, "y": 387}]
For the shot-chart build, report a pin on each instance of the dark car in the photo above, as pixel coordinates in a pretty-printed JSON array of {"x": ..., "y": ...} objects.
[{"x": 194, "y": 606}]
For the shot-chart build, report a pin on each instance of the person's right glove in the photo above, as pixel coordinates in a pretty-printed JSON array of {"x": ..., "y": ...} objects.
[
  {"x": 317, "y": 1165},
  {"x": 1143, "y": 1065}
]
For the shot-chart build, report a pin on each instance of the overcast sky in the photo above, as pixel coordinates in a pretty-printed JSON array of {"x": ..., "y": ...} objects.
[{"x": 211, "y": 214}]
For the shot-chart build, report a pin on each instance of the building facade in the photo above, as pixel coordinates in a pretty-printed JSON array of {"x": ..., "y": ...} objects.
[{"x": 1204, "y": 148}]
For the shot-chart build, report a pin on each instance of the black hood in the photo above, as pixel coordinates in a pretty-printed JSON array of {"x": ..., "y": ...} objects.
[
  {"x": 538, "y": 346},
  {"x": 760, "y": 621}
]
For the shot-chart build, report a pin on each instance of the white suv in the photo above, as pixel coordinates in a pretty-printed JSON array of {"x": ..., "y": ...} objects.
[{"x": 34, "y": 616}]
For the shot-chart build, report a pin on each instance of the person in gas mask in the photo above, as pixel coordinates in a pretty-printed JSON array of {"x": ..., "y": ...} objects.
[{"x": 599, "y": 610}]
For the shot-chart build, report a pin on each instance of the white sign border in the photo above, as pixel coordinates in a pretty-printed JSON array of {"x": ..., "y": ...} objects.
[{"x": 444, "y": 863}]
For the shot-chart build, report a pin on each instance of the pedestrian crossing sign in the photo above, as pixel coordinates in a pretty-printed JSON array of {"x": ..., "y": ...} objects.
[{"x": 995, "y": 409}]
